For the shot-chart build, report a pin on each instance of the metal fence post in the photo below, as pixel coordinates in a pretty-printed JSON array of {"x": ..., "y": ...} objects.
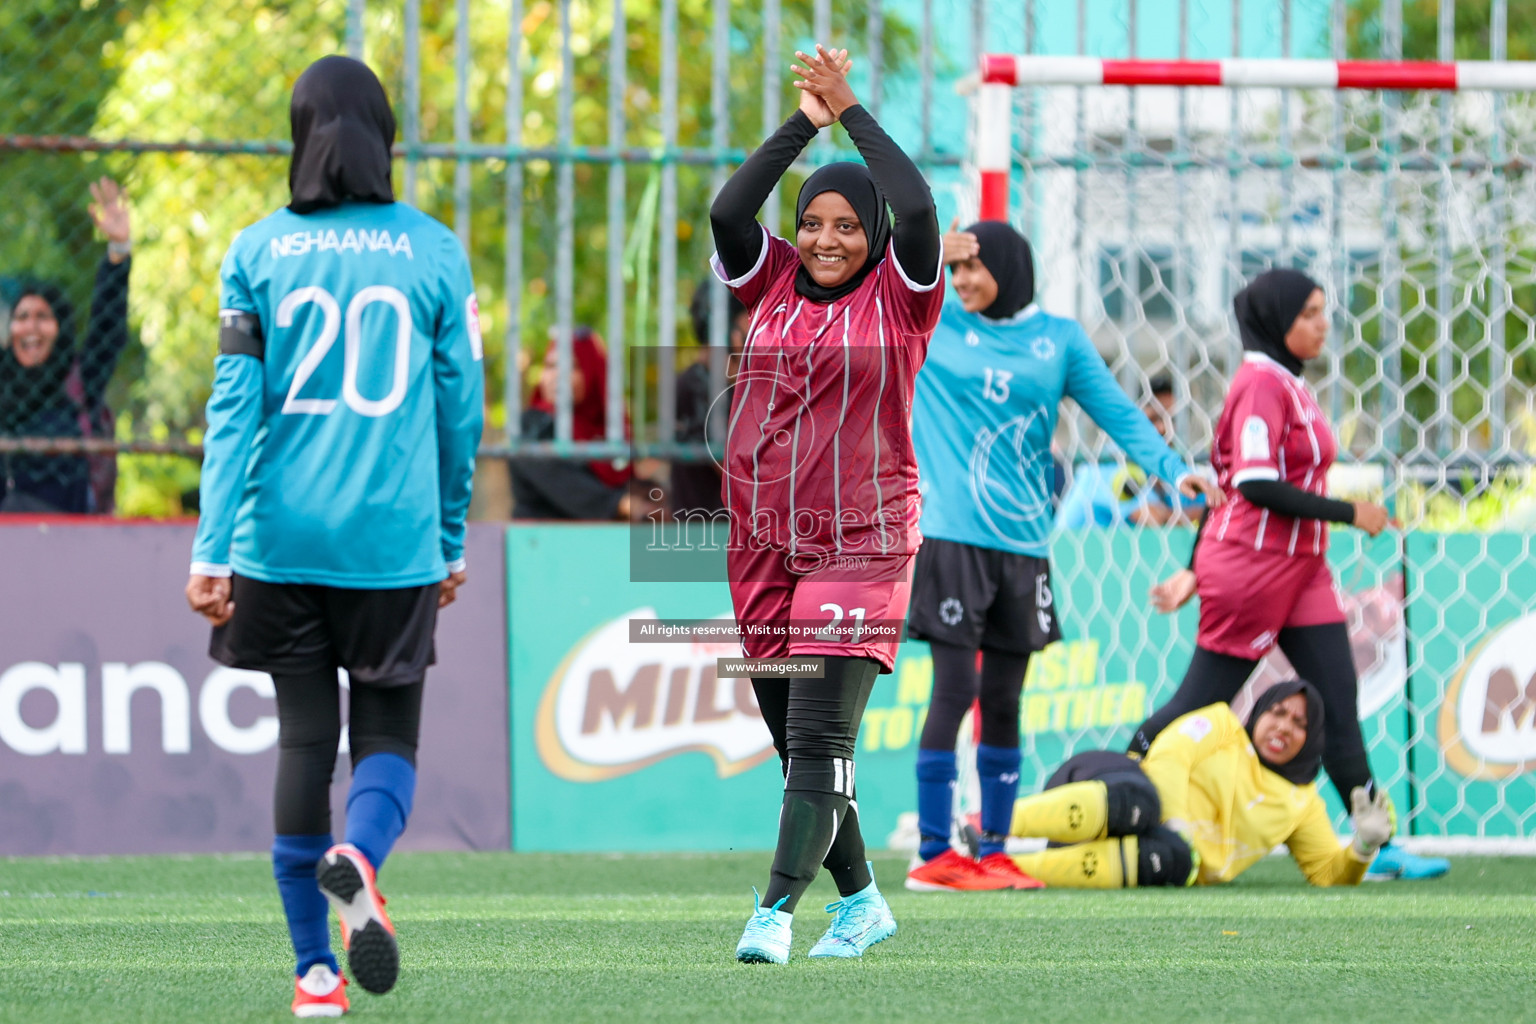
[
  {"x": 565, "y": 228},
  {"x": 618, "y": 77},
  {"x": 356, "y": 9},
  {"x": 512, "y": 388}
]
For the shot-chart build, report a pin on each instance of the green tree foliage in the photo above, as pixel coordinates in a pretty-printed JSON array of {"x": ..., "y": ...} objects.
[
  {"x": 55, "y": 70},
  {"x": 1421, "y": 29},
  {"x": 186, "y": 72},
  {"x": 185, "y": 75}
]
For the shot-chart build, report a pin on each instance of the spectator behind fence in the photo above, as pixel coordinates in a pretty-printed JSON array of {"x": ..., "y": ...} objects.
[
  {"x": 50, "y": 387},
  {"x": 555, "y": 488},
  {"x": 1109, "y": 494},
  {"x": 696, "y": 485},
  {"x": 1152, "y": 502}
]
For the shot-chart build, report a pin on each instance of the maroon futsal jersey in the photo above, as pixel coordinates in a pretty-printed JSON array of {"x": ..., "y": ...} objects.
[
  {"x": 1271, "y": 428},
  {"x": 821, "y": 481},
  {"x": 819, "y": 461}
]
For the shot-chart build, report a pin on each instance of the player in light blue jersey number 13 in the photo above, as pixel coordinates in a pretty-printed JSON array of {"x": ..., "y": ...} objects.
[
  {"x": 982, "y": 421},
  {"x": 347, "y": 405}
]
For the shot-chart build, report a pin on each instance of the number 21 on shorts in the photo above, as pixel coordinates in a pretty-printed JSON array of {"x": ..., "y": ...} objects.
[{"x": 831, "y": 631}]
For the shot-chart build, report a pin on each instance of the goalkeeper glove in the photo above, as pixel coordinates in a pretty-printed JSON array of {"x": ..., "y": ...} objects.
[{"x": 1372, "y": 818}]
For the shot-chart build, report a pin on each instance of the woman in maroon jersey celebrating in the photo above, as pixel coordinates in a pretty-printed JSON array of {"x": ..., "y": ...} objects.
[{"x": 820, "y": 477}]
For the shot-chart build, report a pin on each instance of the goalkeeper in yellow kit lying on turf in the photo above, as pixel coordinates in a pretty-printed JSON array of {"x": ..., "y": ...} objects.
[{"x": 1210, "y": 799}]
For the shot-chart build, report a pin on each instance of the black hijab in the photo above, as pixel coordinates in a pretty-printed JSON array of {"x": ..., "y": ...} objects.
[
  {"x": 1267, "y": 308},
  {"x": 1007, "y": 256},
  {"x": 27, "y": 391},
  {"x": 1302, "y": 768},
  {"x": 854, "y": 183},
  {"x": 342, "y": 131}
]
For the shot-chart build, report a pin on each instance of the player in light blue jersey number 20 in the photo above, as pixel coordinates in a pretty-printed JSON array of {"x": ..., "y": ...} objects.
[
  {"x": 346, "y": 409},
  {"x": 983, "y": 417}
]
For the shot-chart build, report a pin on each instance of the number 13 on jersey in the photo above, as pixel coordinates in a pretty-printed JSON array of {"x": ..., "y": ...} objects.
[{"x": 994, "y": 387}]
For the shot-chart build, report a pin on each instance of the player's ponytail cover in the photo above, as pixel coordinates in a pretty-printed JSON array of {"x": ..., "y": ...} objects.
[
  {"x": 1302, "y": 768},
  {"x": 343, "y": 129},
  {"x": 1267, "y": 308},
  {"x": 1008, "y": 258}
]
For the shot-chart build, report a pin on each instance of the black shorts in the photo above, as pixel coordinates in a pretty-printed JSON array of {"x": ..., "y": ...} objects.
[
  {"x": 381, "y": 637},
  {"x": 976, "y": 597},
  {"x": 1093, "y": 765}
]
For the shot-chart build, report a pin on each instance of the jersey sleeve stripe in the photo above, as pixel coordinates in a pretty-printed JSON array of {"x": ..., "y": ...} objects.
[
  {"x": 938, "y": 273},
  {"x": 762, "y": 257},
  {"x": 875, "y": 435},
  {"x": 837, "y": 438}
]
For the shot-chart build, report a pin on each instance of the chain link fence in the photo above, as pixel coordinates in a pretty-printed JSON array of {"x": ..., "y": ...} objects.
[
  {"x": 1150, "y": 207},
  {"x": 575, "y": 147}
]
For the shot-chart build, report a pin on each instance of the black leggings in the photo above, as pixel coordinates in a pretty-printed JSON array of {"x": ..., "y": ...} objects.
[
  {"x": 956, "y": 685},
  {"x": 381, "y": 720},
  {"x": 1320, "y": 655},
  {"x": 817, "y": 718},
  {"x": 814, "y": 724}
]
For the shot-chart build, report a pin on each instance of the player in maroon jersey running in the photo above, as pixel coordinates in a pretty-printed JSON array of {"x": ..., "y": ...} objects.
[
  {"x": 1259, "y": 563},
  {"x": 820, "y": 477}
]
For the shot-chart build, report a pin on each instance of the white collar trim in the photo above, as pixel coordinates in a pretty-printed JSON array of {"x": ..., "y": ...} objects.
[
  {"x": 1019, "y": 317},
  {"x": 1260, "y": 357}
]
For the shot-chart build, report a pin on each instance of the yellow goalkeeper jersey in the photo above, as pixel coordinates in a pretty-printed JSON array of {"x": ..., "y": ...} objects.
[{"x": 1208, "y": 775}]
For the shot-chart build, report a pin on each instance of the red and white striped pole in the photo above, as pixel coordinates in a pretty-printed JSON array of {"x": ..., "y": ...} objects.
[
  {"x": 1002, "y": 72},
  {"x": 994, "y": 146}
]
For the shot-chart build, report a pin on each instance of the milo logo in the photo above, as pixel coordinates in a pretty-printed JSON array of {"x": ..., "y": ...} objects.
[
  {"x": 613, "y": 707},
  {"x": 1487, "y": 723}
]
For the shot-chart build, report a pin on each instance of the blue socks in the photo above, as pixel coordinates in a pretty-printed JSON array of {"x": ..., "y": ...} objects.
[
  {"x": 935, "y": 800},
  {"x": 379, "y": 804},
  {"x": 998, "y": 770},
  {"x": 383, "y": 788},
  {"x": 293, "y": 865}
]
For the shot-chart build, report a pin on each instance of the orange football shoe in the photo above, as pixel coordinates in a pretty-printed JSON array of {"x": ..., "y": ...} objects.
[
  {"x": 346, "y": 879},
  {"x": 952, "y": 871},
  {"x": 1003, "y": 866},
  {"x": 320, "y": 993}
]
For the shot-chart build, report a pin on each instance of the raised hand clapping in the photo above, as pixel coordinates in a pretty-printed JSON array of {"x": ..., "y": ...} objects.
[{"x": 823, "y": 85}]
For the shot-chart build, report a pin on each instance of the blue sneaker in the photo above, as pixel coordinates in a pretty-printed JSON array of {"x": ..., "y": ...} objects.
[
  {"x": 766, "y": 938},
  {"x": 859, "y": 921},
  {"x": 1393, "y": 863}
]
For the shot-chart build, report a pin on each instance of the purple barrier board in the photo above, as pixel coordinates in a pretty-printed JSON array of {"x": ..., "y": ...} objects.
[{"x": 119, "y": 735}]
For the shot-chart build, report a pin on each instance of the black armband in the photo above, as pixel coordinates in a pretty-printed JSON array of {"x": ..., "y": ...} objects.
[
  {"x": 240, "y": 334},
  {"x": 1205, "y": 514},
  {"x": 1290, "y": 500}
]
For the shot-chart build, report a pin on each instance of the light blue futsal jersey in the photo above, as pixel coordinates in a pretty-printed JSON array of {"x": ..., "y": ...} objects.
[
  {"x": 342, "y": 455},
  {"x": 984, "y": 414}
]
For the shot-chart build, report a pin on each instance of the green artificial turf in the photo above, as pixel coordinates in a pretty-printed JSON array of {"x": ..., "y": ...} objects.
[{"x": 611, "y": 939}]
